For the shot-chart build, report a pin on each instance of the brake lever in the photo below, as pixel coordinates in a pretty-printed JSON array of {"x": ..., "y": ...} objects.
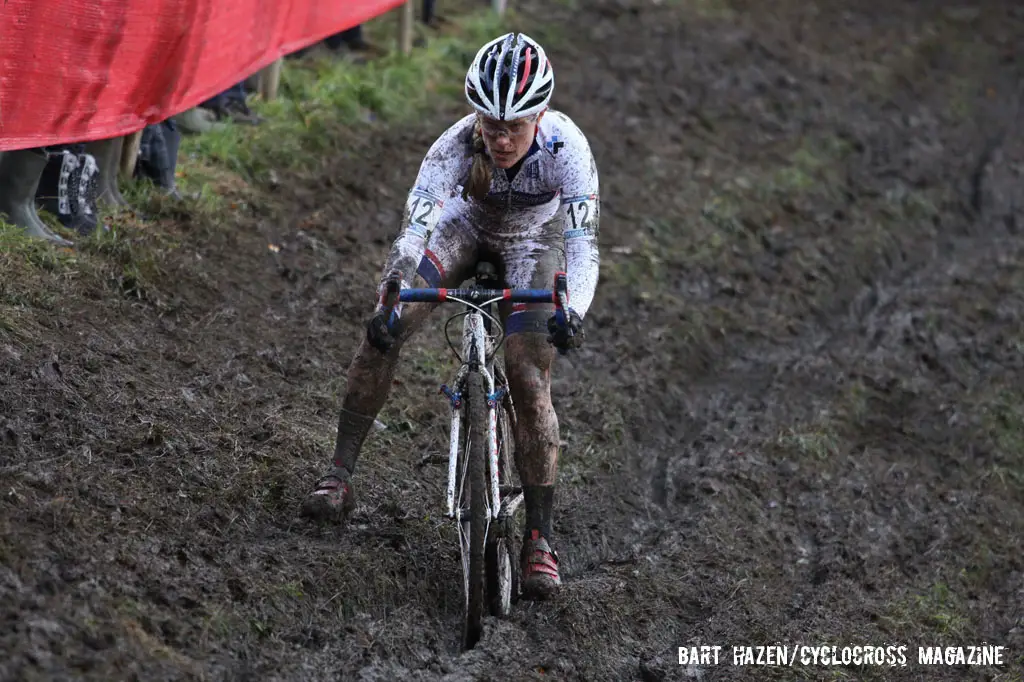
[
  {"x": 389, "y": 300},
  {"x": 561, "y": 289}
]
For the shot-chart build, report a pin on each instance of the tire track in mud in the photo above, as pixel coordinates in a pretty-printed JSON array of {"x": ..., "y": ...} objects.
[
  {"x": 697, "y": 454},
  {"x": 717, "y": 461}
]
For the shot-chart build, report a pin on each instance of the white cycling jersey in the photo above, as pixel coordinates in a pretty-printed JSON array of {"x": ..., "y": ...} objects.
[{"x": 554, "y": 188}]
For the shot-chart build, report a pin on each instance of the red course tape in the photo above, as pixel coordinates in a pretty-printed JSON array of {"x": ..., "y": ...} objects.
[{"x": 82, "y": 70}]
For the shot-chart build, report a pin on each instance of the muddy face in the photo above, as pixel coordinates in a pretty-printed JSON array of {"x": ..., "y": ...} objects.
[{"x": 508, "y": 141}]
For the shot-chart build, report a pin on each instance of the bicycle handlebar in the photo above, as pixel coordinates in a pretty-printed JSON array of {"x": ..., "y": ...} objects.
[
  {"x": 393, "y": 294},
  {"x": 477, "y": 296}
]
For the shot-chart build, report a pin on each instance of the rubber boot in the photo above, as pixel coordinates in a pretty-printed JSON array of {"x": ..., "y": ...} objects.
[
  {"x": 59, "y": 185},
  {"x": 158, "y": 156},
  {"x": 87, "y": 176},
  {"x": 196, "y": 120},
  {"x": 20, "y": 172},
  {"x": 172, "y": 140},
  {"x": 108, "y": 157}
]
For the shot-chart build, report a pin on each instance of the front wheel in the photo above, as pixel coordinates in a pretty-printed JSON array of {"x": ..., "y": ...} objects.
[{"x": 477, "y": 487}]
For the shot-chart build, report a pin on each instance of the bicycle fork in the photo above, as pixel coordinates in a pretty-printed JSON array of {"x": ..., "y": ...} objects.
[{"x": 474, "y": 353}]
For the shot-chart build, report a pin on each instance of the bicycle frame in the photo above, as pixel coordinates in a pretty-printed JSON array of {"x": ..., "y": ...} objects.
[{"x": 478, "y": 352}]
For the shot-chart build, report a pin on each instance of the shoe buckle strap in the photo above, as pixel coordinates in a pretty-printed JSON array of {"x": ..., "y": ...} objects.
[
  {"x": 330, "y": 482},
  {"x": 542, "y": 562}
]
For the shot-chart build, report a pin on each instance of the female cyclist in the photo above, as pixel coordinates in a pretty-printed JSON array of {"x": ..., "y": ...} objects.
[{"x": 514, "y": 183}]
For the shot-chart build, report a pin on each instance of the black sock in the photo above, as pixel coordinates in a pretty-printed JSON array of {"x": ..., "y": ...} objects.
[{"x": 539, "y": 502}]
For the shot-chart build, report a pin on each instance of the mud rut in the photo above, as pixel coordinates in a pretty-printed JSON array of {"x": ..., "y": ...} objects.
[{"x": 798, "y": 419}]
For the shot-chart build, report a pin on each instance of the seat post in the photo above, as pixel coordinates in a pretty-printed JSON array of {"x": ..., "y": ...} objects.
[
  {"x": 487, "y": 278},
  {"x": 487, "y": 275}
]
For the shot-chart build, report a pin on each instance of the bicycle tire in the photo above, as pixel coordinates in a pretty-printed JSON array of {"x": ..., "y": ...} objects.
[
  {"x": 506, "y": 435},
  {"x": 503, "y": 571},
  {"x": 476, "y": 482}
]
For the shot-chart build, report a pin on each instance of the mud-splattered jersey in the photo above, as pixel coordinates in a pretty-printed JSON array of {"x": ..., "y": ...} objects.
[{"x": 555, "y": 188}]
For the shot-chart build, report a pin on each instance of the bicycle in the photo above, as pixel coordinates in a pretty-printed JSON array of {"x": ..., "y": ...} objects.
[{"x": 482, "y": 496}]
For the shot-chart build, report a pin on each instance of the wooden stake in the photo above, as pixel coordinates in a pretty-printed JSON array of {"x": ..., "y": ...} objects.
[
  {"x": 129, "y": 154},
  {"x": 406, "y": 17},
  {"x": 270, "y": 80}
]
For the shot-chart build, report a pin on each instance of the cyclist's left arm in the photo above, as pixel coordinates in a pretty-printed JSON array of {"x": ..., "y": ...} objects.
[
  {"x": 580, "y": 215},
  {"x": 439, "y": 172}
]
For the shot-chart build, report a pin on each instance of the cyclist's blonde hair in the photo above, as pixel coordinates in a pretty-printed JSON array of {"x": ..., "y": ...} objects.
[{"x": 481, "y": 174}]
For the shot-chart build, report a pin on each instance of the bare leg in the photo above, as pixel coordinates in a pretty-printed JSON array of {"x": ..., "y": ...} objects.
[
  {"x": 528, "y": 360},
  {"x": 449, "y": 255}
]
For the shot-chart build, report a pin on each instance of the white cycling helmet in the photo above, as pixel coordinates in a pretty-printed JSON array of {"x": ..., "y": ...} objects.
[{"x": 510, "y": 78}]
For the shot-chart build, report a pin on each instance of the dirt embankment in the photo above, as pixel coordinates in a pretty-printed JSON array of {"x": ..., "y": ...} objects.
[{"x": 799, "y": 417}]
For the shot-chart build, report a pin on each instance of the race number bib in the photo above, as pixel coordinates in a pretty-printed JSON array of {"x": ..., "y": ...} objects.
[
  {"x": 582, "y": 213},
  {"x": 424, "y": 211}
]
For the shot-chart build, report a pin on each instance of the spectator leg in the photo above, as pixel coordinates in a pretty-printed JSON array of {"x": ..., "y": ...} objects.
[
  {"x": 20, "y": 173},
  {"x": 172, "y": 140},
  {"x": 108, "y": 158},
  {"x": 216, "y": 103},
  {"x": 352, "y": 37}
]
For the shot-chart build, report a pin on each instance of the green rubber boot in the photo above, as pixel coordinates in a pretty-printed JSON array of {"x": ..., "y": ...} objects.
[
  {"x": 20, "y": 172},
  {"x": 196, "y": 121},
  {"x": 108, "y": 157}
]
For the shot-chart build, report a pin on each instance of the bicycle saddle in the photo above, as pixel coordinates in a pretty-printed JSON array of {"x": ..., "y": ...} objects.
[{"x": 487, "y": 275}]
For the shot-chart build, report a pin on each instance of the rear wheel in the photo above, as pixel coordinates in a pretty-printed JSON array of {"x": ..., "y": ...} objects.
[{"x": 502, "y": 567}]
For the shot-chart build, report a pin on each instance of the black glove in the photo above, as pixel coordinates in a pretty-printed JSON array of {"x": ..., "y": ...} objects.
[
  {"x": 559, "y": 336},
  {"x": 377, "y": 333}
]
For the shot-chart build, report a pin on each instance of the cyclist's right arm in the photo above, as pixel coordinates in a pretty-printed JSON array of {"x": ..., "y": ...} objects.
[{"x": 442, "y": 169}]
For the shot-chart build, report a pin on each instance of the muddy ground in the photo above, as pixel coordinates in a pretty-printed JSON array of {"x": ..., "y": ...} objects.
[{"x": 799, "y": 417}]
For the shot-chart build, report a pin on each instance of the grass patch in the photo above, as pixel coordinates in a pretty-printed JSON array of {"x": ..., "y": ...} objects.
[
  {"x": 322, "y": 96},
  {"x": 818, "y": 440},
  {"x": 26, "y": 264},
  {"x": 815, "y": 164},
  {"x": 826, "y": 435},
  {"x": 934, "y": 612},
  {"x": 1003, "y": 424}
]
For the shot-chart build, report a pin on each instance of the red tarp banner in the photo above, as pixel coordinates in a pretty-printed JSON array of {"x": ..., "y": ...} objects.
[{"x": 81, "y": 70}]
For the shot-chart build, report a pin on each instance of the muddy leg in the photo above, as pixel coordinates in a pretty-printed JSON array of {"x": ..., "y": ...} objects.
[
  {"x": 450, "y": 253},
  {"x": 369, "y": 382},
  {"x": 528, "y": 358}
]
